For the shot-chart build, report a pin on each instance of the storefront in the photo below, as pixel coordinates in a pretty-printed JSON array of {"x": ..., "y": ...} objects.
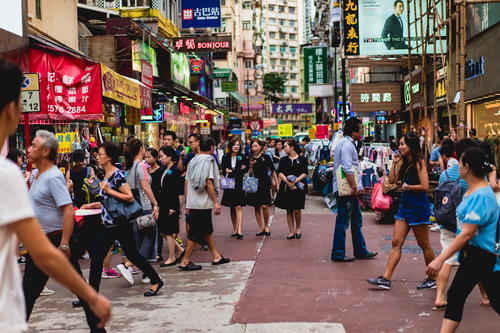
[{"x": 380, "y": 103}]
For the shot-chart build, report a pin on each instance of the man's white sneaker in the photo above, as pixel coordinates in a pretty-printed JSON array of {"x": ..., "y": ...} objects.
[
  {"x": 126, "y": 273},
  {"x": 47, "y": 292}
]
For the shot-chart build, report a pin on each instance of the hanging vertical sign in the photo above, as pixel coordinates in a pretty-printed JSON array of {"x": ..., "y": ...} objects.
[
  {"x": 201, "y": 14},
  {"x": 316, "y": 66},
  {"x": 351, "y": 28}
]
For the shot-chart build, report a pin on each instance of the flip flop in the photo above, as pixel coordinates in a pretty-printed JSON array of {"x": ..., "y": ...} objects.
[{"x": 439, "y": 307}]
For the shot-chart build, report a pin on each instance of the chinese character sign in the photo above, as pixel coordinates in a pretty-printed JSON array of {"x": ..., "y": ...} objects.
[
  {"x": 70, "y": 87},
  {"x": 291, "y": 108},
  {"x": 120, "y": 88},
  {"x": 202, "y": 44},
  {"x": 315, "y": 65},
  {"x": 201, "y": 14},
  {"x": 351, "y": 27},
  {"x": 285, "y": 130}
]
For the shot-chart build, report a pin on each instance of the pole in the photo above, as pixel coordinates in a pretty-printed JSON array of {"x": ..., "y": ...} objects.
[
  {"x": 344, "y": 98},
  {"x": 335, "y": 92}
]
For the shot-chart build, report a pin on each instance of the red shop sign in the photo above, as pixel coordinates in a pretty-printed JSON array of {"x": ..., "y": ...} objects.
[
  {"x": 70, "y": 87},
  {"x": 184, "y": 109},
  {"x": 147, "y": 74}
]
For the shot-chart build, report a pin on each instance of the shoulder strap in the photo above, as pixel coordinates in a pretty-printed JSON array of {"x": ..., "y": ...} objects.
[
  {"x": 88, "y": 172},
  {"x": 497, "y": 236},
  {"x": 447, "y": 175}
]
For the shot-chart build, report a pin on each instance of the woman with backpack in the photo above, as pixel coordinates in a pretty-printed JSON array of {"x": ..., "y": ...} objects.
[
  {"x": 115, "y": 185},
  {"x": 477, "y": 240},
  {"x": 75, "y": 178},
  {"x": 139, "y": 180},
  {"x": 414, "y": 210}
]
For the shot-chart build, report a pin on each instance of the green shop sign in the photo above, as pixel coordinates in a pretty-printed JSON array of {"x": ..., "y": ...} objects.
[
  {"x": 315, "y": 65},
  {"x": 229, "y": 86}
]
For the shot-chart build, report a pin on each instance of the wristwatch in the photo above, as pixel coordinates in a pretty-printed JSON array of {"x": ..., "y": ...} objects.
[{"x": 64, "y": 247}]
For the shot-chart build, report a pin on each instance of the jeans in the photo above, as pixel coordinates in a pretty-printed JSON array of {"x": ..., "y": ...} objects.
[
  {"x": 147, "y": 241},
  {"x": 34, "y": 280},
  {"x": 348, "y": 209}
]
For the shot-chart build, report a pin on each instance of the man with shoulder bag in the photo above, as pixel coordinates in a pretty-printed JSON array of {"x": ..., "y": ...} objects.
[{"x": 346, "y": 186}]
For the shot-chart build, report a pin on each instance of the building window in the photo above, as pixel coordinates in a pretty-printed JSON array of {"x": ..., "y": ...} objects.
[
  {"x": 38, "y": 9},
  {"x": 272, "y": 21},
  {"x": 285, "y": 89},
  {"x": 282, "y": 49},
  {"x": 222, "y": 26},
  {"x": 222, "y": 2},
  {"x": 282, "y": 22},
  {"x": 291, "y": 10},
  {"x": 272, "y": 48},
  {"x": 271, "y": 8},
  {"x": 293, "y": 63},
  {"x": 293, "y": 76},
  {"x": 282, "y": 35},
  {"x": 247, "y": 5},
  {"x": 273, "y": 62},
  {"x": 249, "y": 63},
  {"x": 291, "y": 23},
  {"x": 247, "y": 25},
  {"x": 281, "y": 9},
  {"x": 294, "y": 89},
  {"x": 283, "y": 62},
  {"x": 248, "y": 84},
  {"x": 272, "y": 35},
  {"x": 292, "y": 36},
  {"x": 293, "y": 49}
]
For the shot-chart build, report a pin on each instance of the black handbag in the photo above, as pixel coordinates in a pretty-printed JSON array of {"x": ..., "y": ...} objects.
[{"x": 122, "y": 211}]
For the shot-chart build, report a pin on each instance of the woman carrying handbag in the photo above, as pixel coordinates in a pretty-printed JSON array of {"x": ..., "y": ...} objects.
[
  {"x": 115, "y": 189},
  {"x": 234, "y": 166},
  {"x": 292, "y": 172},
  {"x": 260, "y": 166}
]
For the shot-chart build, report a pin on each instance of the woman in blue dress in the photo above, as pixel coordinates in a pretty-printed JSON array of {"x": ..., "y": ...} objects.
[
  {"x": 477, "y": 240},
  {"x": 410, "y": 168}
]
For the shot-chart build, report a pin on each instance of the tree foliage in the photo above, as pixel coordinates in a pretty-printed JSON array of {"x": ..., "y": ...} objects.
[{"x": 274, "y": 83}]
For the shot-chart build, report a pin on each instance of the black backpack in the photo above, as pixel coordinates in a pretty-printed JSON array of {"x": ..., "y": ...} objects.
[{"x": 447, "y": 197}]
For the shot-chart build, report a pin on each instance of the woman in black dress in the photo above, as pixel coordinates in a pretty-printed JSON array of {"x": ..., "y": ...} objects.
[
  {"x": 155, "y": 172},
  {"x": 262, "y": 168},
  {"x": 235, "y": 165},
  {"x": 170, "y": 183},
  {"x": 292, "y": 172}
]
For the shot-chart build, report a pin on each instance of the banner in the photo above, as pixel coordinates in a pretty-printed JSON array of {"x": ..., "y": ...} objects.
[
  {"x": 70, "y": 86},
  {"x": 316, "y": 66},
  {"x": 381, "y": 27},
  {"x": 285, "y": 130},
  {"x": 120, "y": 88},
  {"x": 291, "y": 108},
  {"x": 201, "y": 14},
  {"x": 179, "y": 69}
]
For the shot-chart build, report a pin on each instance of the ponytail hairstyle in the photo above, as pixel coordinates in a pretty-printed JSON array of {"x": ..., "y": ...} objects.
[
  {"x": 477, "y": 161},
  {"x": 131, "y": 151}
]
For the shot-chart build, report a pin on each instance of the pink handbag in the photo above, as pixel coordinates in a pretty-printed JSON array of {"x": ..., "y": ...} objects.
[{"x": 380, "y": 202}]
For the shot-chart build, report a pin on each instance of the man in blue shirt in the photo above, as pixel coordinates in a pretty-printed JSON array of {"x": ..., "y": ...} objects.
[
  {"x": 346, "y": 157},
  {"x": 435, "y": 154}
]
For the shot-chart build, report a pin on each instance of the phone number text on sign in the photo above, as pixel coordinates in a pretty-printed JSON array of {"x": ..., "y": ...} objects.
[{"x": 66, "y": 109}]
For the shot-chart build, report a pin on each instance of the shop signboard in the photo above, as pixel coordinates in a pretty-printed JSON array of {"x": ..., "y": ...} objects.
[
  {"x": 179, "y": 69},
  {"x": 321, "y": 131},
  {"x": 481, "y": 16},
  {"x": 120, "y": 88},
  {"x": 147, "y": 74},
  {"x": 11, "y": 17},
  {"x": 154, "y": 115},
  {"x": 143, "y": 52},
  {"x": 70, "y": 86},
  {"x": 196, "y": 66},
  {"x": 291, "y": 108},
  {"x": 229, "y": 86},
  {"x": 316, "y": 65},
  {"x": 380, "y": 27},
  {"x": 65, "y": 140},
  {"x": 285, "y": 130},
  {"x": 253, "y": 103},
  {"x": 30, "y": 92},
  {"x": 201, "y": 14},
  {"x": 202, "y": 44},
  {"x": 372, "y": 97}
]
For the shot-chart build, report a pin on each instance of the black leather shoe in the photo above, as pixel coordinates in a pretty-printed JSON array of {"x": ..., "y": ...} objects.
[
  {"x": 298, "y": 236},
  {"x": 369, "y": 255},
  {"x": 262, "y": 233},
  {"x": 344, "y": 259},
  {"x": 268, "y": 233},
  {"x": 150, "y": 292},
  {"x": 239, "y": 236},
  {"x": 290, "y": 237}
]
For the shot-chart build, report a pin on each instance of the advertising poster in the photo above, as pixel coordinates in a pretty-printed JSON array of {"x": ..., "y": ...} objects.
[
  {"x": 321, "y": 131},
  {"x": 70, "y": 87},
  {"x": 285, "y": 130},
  {"x": 179, "y": 69},
  {"x": 201, "y": 14},
  {"x": 383, "y": 27},
  {"x": 120, "y": 88},
  {"x": 481, "y": 16}
]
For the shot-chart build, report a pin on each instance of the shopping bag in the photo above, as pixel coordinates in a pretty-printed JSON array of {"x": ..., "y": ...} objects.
[
  {"x": 250, "y": 184},
  {"x": 380, "y": 202},
  {"x": 227, "y": 183},
  {"x": 343, "y": 186}
]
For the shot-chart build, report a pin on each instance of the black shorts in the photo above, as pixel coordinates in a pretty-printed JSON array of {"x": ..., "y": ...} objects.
[{"x": 200, "y": 224}]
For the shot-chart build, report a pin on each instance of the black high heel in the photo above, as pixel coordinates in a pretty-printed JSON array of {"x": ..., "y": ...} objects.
[
  {"x": 239, "y": 236},
  {"x": 150, "y": 292},
  {"x": 268, "y": 233},
  {"x": 298, "y": 236},
  {"x": 262, "y": 233}
]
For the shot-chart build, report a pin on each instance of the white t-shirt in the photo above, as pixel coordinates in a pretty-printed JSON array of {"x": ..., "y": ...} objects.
[{"x": 15, "y": 206}]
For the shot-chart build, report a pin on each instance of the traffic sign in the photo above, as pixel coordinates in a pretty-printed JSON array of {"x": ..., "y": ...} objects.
[{"x": 30, "y": 92}]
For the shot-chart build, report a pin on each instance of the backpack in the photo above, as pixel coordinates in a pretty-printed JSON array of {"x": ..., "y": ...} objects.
[
  {"x": 324, "y": 153},
  {"x": 91, "y": 188},
  {"x": 447, "y": 197}
]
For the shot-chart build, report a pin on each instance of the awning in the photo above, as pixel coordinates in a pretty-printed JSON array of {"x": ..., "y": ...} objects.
[
  {"x": 222, "y": 72},
  {"x": 238, "y": 97}
]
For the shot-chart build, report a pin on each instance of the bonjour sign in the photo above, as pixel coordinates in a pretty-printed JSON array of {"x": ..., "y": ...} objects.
[{"x": 202, "y": 44}]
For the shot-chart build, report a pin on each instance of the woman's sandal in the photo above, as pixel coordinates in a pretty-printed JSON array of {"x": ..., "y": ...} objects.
[{"x": 439, "y": 307}]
